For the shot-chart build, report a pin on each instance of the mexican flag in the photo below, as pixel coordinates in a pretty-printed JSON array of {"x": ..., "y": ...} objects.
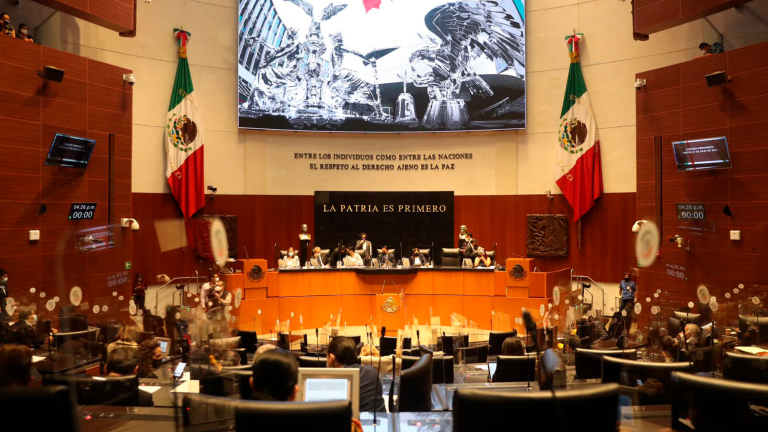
[
  {"x": 184, "y": 138},
  {"x": 578, "y": 171}
]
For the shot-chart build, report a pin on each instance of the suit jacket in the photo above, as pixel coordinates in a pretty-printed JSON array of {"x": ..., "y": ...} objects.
[
  {"x": 336, "y": 257},
  {"x": 469, "y": 251},
  {"x": 422, "y": 259},
  {"x": 3, "y": 296},
  {"x": 367, "y": 249},
  {"x": 370, "y": 389},
  {"x": 320, "y": 259}
]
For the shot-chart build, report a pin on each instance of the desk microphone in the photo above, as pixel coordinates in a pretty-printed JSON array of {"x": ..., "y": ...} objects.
[
  {"x": 393, "y": 283},
  {"x": 383, "y": 333},
  {"x": 418, "y": 338},
  {"x": 317, "y": 342},
  {"x": 382, "y": 285},
  {"x": 246, "y": 252}
]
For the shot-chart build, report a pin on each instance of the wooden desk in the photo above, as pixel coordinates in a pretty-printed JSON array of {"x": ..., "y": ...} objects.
[{"x": 310, "y": 298}]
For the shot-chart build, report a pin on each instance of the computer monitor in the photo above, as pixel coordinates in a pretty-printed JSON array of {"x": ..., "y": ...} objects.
[
  {"x": 165, "y": 346},
  {"x": 702, "y": 154},
  {"x": 324, "y": 384},
  {"x": 70, "y": 151}
]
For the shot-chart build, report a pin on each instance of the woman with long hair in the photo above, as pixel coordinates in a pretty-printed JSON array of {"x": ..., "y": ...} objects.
[
  {"x": 149, "y": 359},
  {"x": 275, "y": 376}
]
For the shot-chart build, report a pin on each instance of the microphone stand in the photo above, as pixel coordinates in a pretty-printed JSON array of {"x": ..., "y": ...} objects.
[
  {"x": 529, "y": 323},
  {"x": 317, "y": 342},
  {"x": 378, "y": 387},
  {"x": 392, "y": 386}
]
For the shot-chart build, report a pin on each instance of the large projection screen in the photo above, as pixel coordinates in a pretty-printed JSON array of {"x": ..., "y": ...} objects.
[{"x": 381, "y": 65}]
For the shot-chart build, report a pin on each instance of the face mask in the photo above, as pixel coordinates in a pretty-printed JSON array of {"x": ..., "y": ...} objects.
[
  {"x": 6, "y": 21},
  {"x": 4, "y": 280},
  {"x": 626, "y": 278},
  {"x": 215, "y": 279},
  {"x": 290, "y": 254},
  {"x": 33, "y": 320},
  {"x": 219, "y": 289},
  {"x": 23, "y": 32},
  {"x": 157, "y": 363},
  {"x": 703, "y": 52}
]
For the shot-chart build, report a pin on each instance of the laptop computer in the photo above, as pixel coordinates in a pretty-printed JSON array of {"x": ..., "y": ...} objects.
[
  {"x": 406, "y": 263},
  {"x": 165, "y": 346},
  {"x": 467, "y": 263},
  {"x": 491, "y": 370}
]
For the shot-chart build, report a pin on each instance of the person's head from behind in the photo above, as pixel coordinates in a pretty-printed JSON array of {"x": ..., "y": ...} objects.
[
  {"x": 122, "y": 362},
  {"x": 275, "y": 376},
  {"x": 691, "y": 330},
  {"x": 262, "y": 349},
  {"x": 24, "y": 315},
  {"x": 15, "y": 366},
  {"x": 667, "y": 343},
  {"x": 574, "y": 343},
  {"x": 342, "y": 351},
  {"x": 512, "y": 346},
  {"x": 291, "y": 252}
]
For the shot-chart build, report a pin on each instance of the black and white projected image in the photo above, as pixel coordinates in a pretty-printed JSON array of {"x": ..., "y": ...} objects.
[{"x": 381, "y": 65}]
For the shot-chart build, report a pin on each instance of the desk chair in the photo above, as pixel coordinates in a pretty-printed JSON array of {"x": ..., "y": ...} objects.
[
  {"x": 715, "y": 404},
  {"x": 416, "y": 387},
  {"x": 745, "y": 367},
  {"x": 627, "y": 372},
  {"x": 48, "y": 408},
  {"x": 589, "y": 362},
  {"x": 450, "y": 257},
  {"x": 199, "y": 410},
  {"x": 406, "y": 362},
  {"x": 495, "y": 339},
  {"x": 442, "y": 369},
  {"x": 477, "y": 410},
  {"x": 211, "y": 382},
  {"x": 248, "y": 340},
  {"x": 113, "y": 391},
  {"x": 276, "y": 416},
  {"x": 515, "y": 368},
  {"x": 388, "y": 345},
  {"x": 312, "y": 362}
]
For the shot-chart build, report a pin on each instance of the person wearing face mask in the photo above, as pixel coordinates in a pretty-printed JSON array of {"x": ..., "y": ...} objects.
[
  {"x": 213, "y": 281},
  {"x": 139, "y": 291},
  {"x": 5, "y": 25},
  {"x": 707, "y": 49},
  {"x": 418, "y": 259},
  {"x": 3, "y": 295},
  {"x": 150, "y": 358},
  {"x": 223, "y": 295},
  {"x": 23, "y": 33},
  {"x": 291, "y": 260},
  {"x": 628, "y": 289}
]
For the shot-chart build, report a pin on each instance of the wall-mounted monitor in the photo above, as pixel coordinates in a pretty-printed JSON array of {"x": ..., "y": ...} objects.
[
  {"x": 702, "y": 154},
  {"x": 381, "y": 66},
  {"x": 70, "y": 151}
]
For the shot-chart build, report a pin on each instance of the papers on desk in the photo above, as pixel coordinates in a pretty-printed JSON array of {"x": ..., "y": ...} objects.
[
  {"x": 751, "y": 350},
  {"x": 36, "y": 359},
  {"x": 481, "y": 367},
  {"x": 149, "y": 389},
  {"x": 191, "y": 386}
]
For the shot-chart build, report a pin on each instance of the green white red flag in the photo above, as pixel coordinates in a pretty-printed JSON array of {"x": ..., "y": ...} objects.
[
  {"x": 578, "y": 171},
  {"x": 184, "y": 138}
]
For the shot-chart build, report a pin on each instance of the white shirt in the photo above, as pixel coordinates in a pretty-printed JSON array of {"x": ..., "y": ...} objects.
[
  {"x": 355, "y": 260},
  {"x": 291, "y": 262}
]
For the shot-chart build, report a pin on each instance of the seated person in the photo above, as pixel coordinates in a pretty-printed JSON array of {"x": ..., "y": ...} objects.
[
  {"x": 291, "y": 260},
  {"x": 15, "y": 366},
  {"x": 318, "y": 256},
  {"x": 689, "y": 338},
  {"x": 125, "y": 362},
  {"x": 23, "y": 332},
  {"x": 669, "y": 349},
  {"x": 150, "y": 358},
  {"x": 355, "y": 260},
  {"x": 598, "y": 328},
  {"x": 418, "y": 259},
  {"x": 342, "y": 353},
  {"x": 384, "y": 257},
  {"x": 337, "y": 255},
  {"x": 482, "y": 259},
  {"x": 275, "y": 376},
  {"x": 512, "y": 346},
  {"x": 44, "y": 332}
]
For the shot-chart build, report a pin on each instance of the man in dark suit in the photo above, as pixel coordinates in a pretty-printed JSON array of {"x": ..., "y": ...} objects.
[
  {"x": 23, "y": 333},
  {"x": 384, "y": 260},
  {"x": 342, "y": 353},
  {"x": 337, "y": 255},
  {"x": 365, "y": 245},
  {"x": 318, "y": 256},
  {"x": 470, "y": 248},
  {"x": 418, "y": 258}
]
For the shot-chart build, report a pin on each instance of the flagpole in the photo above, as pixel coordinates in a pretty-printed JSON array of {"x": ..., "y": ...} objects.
[{"x": 579, "y": 233}]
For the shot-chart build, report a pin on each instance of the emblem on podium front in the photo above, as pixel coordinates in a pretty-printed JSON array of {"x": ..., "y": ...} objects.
[
  {"x": 256, "y": 274},
  {"x": 518, "y": 273},
  {"x": 390, "y": 306}
]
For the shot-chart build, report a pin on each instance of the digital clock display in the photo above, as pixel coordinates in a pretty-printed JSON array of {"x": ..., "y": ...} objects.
[
  {"x": 82, "y": 211},
  {"x": 691, "y": 211}
]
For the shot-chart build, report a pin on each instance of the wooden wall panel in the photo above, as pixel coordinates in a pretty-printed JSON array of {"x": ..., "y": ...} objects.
[
  {"x": 117, "y": 15},
  {"x": 264, "y": 221},
  {"x": 733, "y": 110},
  {"x": 651, "y": 16},
  {"x": 38, "y": 110}
]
